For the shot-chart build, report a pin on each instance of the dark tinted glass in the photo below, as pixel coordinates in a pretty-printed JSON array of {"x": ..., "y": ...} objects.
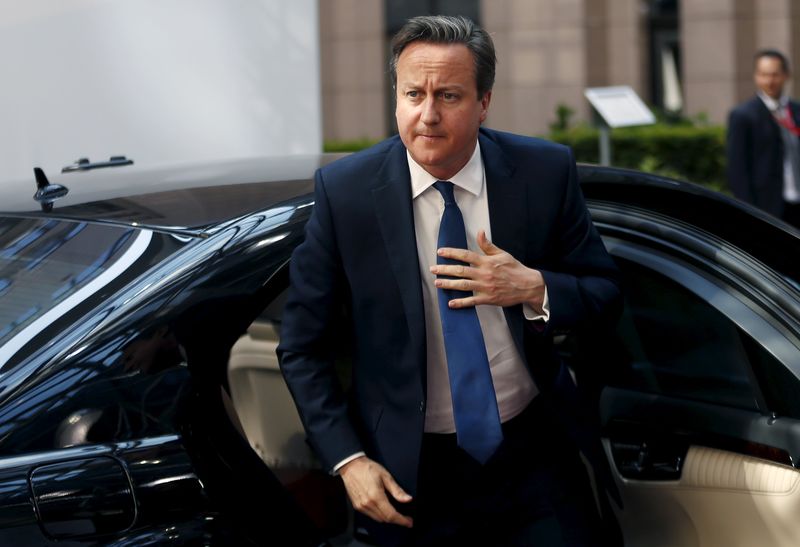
[
  {"x": 675, "y": 343},
  {"x": 779, "y": 385},
  {"x": 47, "y": 267}
]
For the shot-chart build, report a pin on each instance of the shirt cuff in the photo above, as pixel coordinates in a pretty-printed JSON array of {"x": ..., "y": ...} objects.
[
  {"x": 338, "y": 466},
  {"x": 531, "y": 315}
]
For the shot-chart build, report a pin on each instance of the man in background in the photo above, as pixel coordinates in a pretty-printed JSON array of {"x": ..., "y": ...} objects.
[{"x": 763, "y": 146}]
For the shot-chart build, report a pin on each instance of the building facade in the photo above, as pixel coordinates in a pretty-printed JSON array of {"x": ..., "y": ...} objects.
[{"x": 692, "y": 57}]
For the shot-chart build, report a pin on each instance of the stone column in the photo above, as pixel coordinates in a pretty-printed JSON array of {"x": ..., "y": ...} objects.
[
  {"x": 627, "y": 49},
  {"x": 776, "y": 27},
  {"x": 542, "y": 62},
  {"x": 353, "y": 57},
  {"x": 718, "y": 44}
]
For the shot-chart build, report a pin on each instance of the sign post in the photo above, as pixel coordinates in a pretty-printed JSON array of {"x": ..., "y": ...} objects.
[
  {"x": 605, "y": 143},
  {"x": 617, "y": 106}
]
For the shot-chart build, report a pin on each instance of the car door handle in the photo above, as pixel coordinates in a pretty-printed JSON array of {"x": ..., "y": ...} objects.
[
  {"x": 83, "y": 498},
  {"x": 642, "y": 460}
]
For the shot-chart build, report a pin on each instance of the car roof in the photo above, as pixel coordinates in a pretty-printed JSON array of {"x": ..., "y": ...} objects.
[
  {"x": 187, "y": 197},
  {"x": 739, "y": 224}
]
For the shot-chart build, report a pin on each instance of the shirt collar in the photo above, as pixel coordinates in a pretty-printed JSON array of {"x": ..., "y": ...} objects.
[
  {"x": 771, "y": 103},
  {"x": 470, "y": 177}
]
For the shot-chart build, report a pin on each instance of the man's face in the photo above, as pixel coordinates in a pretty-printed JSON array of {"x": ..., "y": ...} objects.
[
  {"x": 438, "y": 110},
  {"x": 770, "y": 77}
]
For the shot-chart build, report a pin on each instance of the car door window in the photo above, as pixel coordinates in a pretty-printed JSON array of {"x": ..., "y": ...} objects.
[
  {"x": 679, "y": 345},
  {"x": 675, "y": 343},
  {"x": 779, "y": 385}
]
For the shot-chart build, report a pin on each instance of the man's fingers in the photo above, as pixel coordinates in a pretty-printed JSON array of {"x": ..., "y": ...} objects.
[
  {"x": 456, "y": 284},
  {"x": 400, "y": 495},
  {"x": 379, "y": 509},
  {"x": 366, "y": 483},
  {"x": 464, "y": 255},
  {"x": 468, "y": 302},
  {"x": 455, "y": 270},
  {"x": 487, "y": 246},
  {"x": 401, "y": 520},
  {"x": 395, "y": 489}
]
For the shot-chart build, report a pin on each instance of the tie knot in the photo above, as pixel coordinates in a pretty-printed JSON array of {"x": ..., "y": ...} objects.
[{"x": 445, "y": 188}]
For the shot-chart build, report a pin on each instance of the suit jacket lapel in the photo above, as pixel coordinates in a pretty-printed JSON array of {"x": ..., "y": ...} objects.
[
  {"x": 508, "y": 217},
  {"x": 767, "y": 119},
  {"x": 391, "y": 194},
  {"x": 794, "y": 108},
  {"x": 507, "y": 209}
]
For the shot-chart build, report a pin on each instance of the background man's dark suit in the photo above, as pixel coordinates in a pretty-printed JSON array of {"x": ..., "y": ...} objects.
[
  {"x": 755, "y": 155},
  {"x": 360, "y": 255}
]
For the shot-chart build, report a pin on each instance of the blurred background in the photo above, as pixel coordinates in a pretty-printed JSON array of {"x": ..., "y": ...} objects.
[{"x": 691, "y": 61}]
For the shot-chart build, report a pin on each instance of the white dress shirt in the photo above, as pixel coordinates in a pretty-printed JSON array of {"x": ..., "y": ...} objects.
[
  {"x": 513, "y": 384},
  {"x": 778, "y": 109}
]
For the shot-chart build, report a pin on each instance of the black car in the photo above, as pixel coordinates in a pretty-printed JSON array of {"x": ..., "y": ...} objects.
[{"x": 141, "y": 403}]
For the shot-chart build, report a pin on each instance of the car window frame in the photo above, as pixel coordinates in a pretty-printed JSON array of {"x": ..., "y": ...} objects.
[{"x": 748, "y": 293}]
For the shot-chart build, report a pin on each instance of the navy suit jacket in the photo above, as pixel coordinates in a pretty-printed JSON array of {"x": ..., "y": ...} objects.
[
  {"x": 358, "y": 266},
  {"x": 755, "y": 155}
]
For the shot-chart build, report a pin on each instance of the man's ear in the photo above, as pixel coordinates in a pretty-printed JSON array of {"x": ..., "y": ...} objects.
[{"x": 485, "y": 100}]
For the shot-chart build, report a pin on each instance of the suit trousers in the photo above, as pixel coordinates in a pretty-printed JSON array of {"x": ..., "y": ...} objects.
[{"x": 534, "y": 491}]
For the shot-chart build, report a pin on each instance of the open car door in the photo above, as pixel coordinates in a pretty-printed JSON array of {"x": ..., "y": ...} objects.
[{"x": 700, "y": 405}]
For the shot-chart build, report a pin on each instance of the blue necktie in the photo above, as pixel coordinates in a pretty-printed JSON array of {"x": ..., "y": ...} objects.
[{"x": 475, "y": 411}]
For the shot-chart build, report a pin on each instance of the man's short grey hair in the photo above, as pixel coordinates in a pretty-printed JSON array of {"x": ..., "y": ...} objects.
[{"x": 445, "y": 29}]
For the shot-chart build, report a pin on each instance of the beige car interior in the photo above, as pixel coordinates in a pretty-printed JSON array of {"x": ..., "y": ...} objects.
[
  {"x": 722, "y": 499},
  {"x": 269, "y": 420},
  {"x": 263, "y": 402}
]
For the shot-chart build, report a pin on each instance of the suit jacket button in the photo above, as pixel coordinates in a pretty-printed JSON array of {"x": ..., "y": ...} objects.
[{"x": 422, "y": 406}]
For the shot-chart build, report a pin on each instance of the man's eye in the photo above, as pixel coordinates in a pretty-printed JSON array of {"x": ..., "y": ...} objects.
[
  {"x": 412, "y": 94},
  {"x": 449, "y": 96}
]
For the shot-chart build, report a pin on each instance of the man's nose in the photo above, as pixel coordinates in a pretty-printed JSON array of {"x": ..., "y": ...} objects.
[{"x": 430, "y": 112}]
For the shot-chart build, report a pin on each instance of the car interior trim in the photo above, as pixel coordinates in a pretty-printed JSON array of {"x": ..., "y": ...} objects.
[{"x": 768, "y": 437}]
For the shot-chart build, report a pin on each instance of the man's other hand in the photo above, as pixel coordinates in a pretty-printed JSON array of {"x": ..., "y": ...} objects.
[
  {"x": 367, "y": 483},
  {"x": 494, "y": 277}
]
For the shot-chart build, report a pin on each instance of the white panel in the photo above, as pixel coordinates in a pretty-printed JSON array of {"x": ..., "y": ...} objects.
[{"x": 161, "y": 81}]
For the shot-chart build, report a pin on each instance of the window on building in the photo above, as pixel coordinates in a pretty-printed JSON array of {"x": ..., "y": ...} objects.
[{"x": 665, "y": 55}]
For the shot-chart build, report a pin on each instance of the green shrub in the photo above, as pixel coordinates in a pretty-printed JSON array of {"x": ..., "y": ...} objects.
[
  {"x": 681, "y": 151},
  {"x": 684, "y": 152},
  {"x": 348, "y": 146}
]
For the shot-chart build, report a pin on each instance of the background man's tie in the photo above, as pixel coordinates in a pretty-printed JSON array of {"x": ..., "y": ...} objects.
[{"x": 475, "y": 411}]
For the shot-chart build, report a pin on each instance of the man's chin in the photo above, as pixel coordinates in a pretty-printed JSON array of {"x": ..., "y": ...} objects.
[{"x": 426, "y": 158}]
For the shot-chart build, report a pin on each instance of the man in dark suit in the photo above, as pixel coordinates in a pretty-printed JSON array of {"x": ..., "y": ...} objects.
[
  {"x": 764, "y": 142},
  {"x": 455, "y": 252}
]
